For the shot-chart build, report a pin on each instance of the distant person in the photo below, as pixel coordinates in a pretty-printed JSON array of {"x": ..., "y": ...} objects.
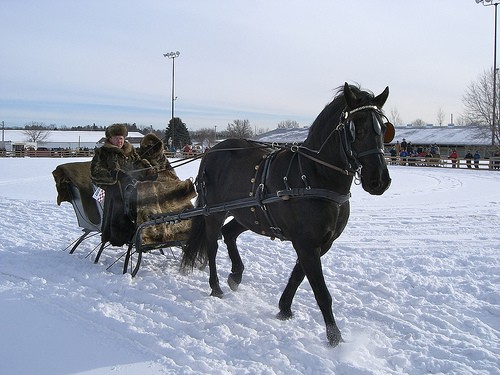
[
  {"x": 477, "y": 157},
  {"x": 468, "y": 159},
  {"x": 393, "y": 154},
  {"x": 403, "y": 155},
  {"x": 409, "y": 148},
  {"x": 454, "y": 158},
  {"x": 404, "y": 144}
]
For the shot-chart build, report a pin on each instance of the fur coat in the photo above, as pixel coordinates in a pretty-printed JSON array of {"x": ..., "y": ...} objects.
[
  {"x": 109, "y": 159},
  {"x": 152, "y": 150}
]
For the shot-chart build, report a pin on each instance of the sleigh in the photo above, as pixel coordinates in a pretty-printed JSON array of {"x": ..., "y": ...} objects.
[{"x": 74, "y": 185}]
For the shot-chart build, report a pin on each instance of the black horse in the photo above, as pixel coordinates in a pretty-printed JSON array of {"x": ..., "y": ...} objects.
[{"x": 300, "y": 193}]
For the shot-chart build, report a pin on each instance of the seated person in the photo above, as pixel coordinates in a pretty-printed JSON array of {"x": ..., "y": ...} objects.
[
  {"x": 114, "y": 168},
  {"x": 152, "y": 149}
]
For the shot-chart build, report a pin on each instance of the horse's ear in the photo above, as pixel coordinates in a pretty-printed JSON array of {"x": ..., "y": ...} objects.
[
  {"x": 379, "y": 101},
  {"x": 349, "y": 96},
  {"x": 390, "y": 132}
]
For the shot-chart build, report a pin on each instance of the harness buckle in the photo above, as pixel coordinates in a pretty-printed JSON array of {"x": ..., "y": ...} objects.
[{"x": 357, "y": 176}]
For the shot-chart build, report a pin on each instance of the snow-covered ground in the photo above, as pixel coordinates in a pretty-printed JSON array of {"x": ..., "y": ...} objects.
[{"x": 415, "y": 280}]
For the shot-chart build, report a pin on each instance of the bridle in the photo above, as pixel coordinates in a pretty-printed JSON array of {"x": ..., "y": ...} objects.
[
  {"x": 347, "y": 136},
  {"x": 377, "y": 127}
]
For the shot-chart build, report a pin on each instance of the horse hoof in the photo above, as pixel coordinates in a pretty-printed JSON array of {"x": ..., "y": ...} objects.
[
  {"x": 335, "y": 340},
  {"x": 282, "y": 315},
  {"x": 234, "y": 281},
  {"x": 232, "y": 284},
  {"x": 217, "y": 293}
]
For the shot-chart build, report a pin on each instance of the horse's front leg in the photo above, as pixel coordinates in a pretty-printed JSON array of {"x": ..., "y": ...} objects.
[
  {"x": 230, "y": 232},
  {"x": 311, "y": 264}
]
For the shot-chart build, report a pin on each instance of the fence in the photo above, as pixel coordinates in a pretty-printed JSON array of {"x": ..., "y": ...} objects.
[
  {"x": 492, "y": 163},
  {"x": 47, "y": 153},
  {"x": 74, "y": 153}
]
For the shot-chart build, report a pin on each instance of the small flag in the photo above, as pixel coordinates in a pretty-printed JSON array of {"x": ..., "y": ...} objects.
[{"x": 99, "y": 195}]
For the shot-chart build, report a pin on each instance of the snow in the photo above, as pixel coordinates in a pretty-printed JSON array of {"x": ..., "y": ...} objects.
[
  {"x": 415, "y": 280},
  {"x": 418, "y": 135}
]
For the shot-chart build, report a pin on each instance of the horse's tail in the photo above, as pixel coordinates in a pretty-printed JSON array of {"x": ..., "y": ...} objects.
[{"x": 194, "y": 251}]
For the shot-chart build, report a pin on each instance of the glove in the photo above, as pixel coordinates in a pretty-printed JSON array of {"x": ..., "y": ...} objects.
[{"x": 152, "y": 171}]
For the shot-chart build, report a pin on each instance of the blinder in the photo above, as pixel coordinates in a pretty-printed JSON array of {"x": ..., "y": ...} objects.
[
  {"x": 378, "y": 125},
  {"x": 389, "y": 133}
]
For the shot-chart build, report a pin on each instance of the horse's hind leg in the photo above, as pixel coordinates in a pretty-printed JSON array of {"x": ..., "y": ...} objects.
[
  {"x": 285, "y": 303},
  {"x": 230, "y": 232},
  {"x": 213, "y": 228}
]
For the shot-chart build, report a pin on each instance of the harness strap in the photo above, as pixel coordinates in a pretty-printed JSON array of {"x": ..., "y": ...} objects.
[
  {"x": 330, "y": 195},
  {"x": 372, "y": 151},
  {"x": 259, "y": 195},
  {"x": 279, "y": 196},
  {"x": 322, "y": 162}
]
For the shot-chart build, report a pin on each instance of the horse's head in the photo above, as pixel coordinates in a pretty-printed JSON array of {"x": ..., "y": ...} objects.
[{"x": 364, "y": 135}]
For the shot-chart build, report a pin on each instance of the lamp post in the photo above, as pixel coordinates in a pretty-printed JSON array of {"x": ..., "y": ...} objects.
[
  {"x": 3, "y": 136},
  {"x": 173, "y": 55},
  {"x": 493, "y": 122}
]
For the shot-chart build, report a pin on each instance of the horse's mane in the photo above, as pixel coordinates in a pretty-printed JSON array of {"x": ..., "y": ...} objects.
[{"x": 334, "y": 109}]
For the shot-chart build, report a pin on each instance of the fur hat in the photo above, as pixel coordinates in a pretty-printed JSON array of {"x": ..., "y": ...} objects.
[
  {"x": 150, "y": 145},
  {"x": 116, "y": 129}
]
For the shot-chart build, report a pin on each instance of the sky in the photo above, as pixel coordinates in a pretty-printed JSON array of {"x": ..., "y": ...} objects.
[{"x": 74, "y": 63}]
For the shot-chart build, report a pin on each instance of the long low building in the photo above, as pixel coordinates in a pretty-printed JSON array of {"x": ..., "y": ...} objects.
[
  {"x": 446, "y": 137},
  {"x": 12, "y": 140}
]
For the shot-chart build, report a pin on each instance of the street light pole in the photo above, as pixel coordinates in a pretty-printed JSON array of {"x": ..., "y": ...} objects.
[
  {"x": 3, "y": 136},
  {"x": 173, "y": 56},
  {"x": 493, "y": 121}
]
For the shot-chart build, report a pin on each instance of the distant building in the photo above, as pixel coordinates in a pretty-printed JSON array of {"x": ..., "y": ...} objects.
[
  {"x": 443, "y": 136},
  {"x": 446, "y": 137},
  {"x": 60, "y": 139}
]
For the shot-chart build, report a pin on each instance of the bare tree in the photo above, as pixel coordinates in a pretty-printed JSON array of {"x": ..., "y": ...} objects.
[
  {"x": 239, "y": 129},
  {"x": 478, "y": 103},
  {"x": 418, "y": 122},
  {"x": 288, "y": 124},
  {"x": 440, "y": 116},
  {"x": 394, "y": 117},
  {"x": 202, "y": 134},
  {"x": 36, "y": 132}
]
